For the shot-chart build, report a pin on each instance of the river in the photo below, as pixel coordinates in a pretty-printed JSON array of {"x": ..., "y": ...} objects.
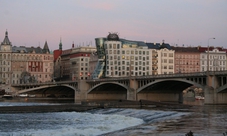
[{"x": 202, "y": 120}]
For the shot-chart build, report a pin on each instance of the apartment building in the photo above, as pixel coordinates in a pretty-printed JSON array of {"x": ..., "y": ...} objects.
[
  {"x": 72, "y": 64},
  {"x": 213, "y": 59},
  {"x": 165, "y": 60},
  {"x": 187, "y": 59},
  {"x": 80, "y": 60}
]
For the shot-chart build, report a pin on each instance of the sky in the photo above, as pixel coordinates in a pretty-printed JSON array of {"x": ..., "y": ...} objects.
[{"x": 177, "y": 22}]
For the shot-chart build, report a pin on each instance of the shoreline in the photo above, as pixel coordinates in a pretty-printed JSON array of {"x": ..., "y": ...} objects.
[
  {"x": 90, "y": 105},
  {"x": 45, "y": 108}
]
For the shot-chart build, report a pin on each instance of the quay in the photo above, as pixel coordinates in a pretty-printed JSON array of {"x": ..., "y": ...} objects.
[
  {"x": 46, "y": 108},
  {"x": 89, "y": 105}
]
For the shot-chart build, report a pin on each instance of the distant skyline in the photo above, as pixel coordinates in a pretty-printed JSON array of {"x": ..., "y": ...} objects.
[{"x": 188, "y": 22}]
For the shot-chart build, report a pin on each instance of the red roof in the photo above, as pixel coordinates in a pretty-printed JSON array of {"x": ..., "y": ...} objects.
[
  {"x": 57, "y": 53},
  {"x": 204, "y": 49}
]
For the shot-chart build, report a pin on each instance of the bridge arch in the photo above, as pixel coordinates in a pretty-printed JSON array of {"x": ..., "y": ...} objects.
[
  {"x": 190, "y": 83},
  {"x": 222, "y": 88},
  {"x": 59, "y": 90},
  {"x": 165, "y": 90},
  {"x": 108, "y": 91},
  {"x": 116, "y": 83}
]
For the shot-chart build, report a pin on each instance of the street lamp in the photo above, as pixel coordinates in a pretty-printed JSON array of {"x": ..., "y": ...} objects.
[{"x": 208, "y": 55}]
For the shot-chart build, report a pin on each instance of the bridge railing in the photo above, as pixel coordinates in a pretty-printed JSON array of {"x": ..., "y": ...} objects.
[
  {"x": 150, "y": 76},
  {"x": 44, "y": 83},
  {"x": 175, "y": 75},
  {"x": 224, "y": 72}
]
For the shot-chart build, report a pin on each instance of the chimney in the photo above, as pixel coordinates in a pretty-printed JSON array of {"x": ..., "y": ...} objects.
[{"x": 73, "y": 45}]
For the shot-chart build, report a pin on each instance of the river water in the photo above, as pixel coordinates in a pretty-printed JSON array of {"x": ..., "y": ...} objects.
[{"x": 202, "y": 120}]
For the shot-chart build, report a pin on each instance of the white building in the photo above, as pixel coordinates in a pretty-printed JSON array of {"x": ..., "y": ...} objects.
[
  {"x": 165, "y": 61},
  {"x": 217, "y": 60},
  {"x": 124, "y": 60},
  {"x": 79, "y": 60}
]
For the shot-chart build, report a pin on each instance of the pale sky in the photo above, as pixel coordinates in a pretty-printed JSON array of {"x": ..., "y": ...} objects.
[{"x": 189, "y": 22}]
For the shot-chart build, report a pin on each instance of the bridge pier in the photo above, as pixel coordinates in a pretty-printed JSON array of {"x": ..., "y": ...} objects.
[
  {"x": 211, "y": 94},
  {"x": 132, "y": 90},
  {"x": 212, "y": 97},
  {"x": 81, "y": 91}
]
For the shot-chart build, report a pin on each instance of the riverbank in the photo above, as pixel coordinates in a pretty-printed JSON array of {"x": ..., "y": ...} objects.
[
  {"x": 46, "y": 108},
  {"x": 89, "y": 105}
]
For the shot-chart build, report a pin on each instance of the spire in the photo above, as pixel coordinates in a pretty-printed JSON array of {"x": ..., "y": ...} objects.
[
  {"x": 46, "y": 48},
  {"x": 60, "y": 45},
  {"x": 6, "y": 39},
  {"x": 6, "y": 33}
]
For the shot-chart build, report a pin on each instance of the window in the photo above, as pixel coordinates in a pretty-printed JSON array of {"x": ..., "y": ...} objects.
[
  {"x": 170, "y": 67},
  {"x": 170, "y": 61},
  {"x": 118, "y": 46}
]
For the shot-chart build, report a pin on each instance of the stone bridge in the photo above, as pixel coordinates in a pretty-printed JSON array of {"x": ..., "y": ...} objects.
[{"x": 157, "y": 87}]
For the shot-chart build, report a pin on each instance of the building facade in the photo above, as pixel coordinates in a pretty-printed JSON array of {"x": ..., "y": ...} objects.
[
  {"x": 24, "y": 64},
  {"x": 122, "y": 58},
  {"x": 72, "y": 64},
  {"x": 126, "y": 59},
  {"x": 187, "y": 59},
  {"x": 213, "y": 59},
  {"x": 165, "y": 61},
  {"x": 80, "y": 60},
  {"x": 93, "y": 63}
]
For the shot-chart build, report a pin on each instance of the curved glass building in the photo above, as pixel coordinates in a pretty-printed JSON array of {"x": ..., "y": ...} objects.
[{"x": 100, "y": 67}]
